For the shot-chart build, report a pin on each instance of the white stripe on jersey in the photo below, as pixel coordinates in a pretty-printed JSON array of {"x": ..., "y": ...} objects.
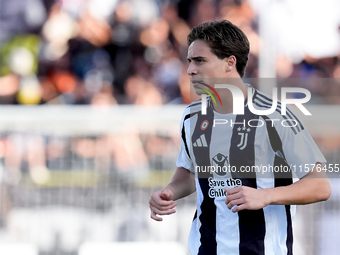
[
  {"x": 270, "y": 212},
  {"x": 225, "y": 218}
]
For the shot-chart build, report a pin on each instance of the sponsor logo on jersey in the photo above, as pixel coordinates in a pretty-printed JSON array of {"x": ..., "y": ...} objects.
[
  {"x": 201, "y": 142},
  {"x": 217, "y": 186},
  {"x": 220, "y": 163},
  {"x": 222, "y": 178}
]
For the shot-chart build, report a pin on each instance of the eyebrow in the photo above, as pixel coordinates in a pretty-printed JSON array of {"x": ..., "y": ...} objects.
[{"x": 196, "y": 58}]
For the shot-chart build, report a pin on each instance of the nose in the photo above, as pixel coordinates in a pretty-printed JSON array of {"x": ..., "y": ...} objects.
[{"x": 191, "y": 69}]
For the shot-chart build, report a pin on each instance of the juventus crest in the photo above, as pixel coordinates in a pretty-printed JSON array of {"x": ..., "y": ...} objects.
[{"x": 243, "y": 133}]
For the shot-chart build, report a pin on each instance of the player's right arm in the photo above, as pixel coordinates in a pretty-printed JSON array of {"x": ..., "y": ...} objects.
[{"x": 162, "y": 202}]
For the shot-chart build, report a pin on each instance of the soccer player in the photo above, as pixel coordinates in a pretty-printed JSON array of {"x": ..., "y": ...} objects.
[{"x": 239, "y": 210}]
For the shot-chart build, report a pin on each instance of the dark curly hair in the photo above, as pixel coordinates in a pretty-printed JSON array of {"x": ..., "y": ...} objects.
[{"x": 225, "y": 39}]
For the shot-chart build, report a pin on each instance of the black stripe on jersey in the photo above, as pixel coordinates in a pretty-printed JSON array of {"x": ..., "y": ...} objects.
[
  {"x": 208, "y": 216},
  {"x": 183, "y": 134},
  {"x": 289, "y": 241},
  {"x": 195, "y": 216},
  {"x": 289, "y": 112},
  {"x": 284, "y": 178},
  {"x": 208, "y": 222},
  {"x": 252, "y": 226},
  {"x": 281, "y": 179}
]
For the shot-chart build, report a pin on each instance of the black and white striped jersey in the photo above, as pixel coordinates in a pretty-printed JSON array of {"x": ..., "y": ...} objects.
[{"x": 227, "y": 150}]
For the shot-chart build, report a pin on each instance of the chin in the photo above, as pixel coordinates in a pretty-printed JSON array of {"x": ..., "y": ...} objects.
[{"x": 199, "y": 91}]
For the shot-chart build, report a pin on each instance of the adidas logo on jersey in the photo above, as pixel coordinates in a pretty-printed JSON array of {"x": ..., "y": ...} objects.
[{"x": 201, "y": 142}]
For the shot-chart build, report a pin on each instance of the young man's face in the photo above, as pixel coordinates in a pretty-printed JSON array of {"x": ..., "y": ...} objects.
[{"x": 204, "y": 64}]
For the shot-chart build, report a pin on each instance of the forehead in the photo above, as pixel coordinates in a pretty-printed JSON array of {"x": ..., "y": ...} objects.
[{"x": 199, "y": 48}]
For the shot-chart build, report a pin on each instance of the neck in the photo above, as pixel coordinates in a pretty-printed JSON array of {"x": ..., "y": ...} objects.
[{"x": 227, "y": 97}]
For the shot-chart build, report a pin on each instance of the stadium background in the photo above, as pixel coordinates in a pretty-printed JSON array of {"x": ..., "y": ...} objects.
[{"x": 91, "y": 95}]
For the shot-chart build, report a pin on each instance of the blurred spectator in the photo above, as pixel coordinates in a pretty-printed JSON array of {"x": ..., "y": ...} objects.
[
  {"x": 161, "y": 151},
  {"x": 129, "y": 158},
  {"x": 9, "y": 87},
  {"x": 188, "y": 93},
  {"x": 25, "y": 153},
  {"x": 19, "y": 17},
  {"x": 104, "y": 97},
  {"x": 6, "y": 203},
  {"x": 142, "y": 92}
]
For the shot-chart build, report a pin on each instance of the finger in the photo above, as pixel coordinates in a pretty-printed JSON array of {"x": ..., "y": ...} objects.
[
  {"x": 166, "y": 194},
  {"x": 233, "y": 197},
  {"x": 239, "y": 208},
  {"x": 163, "y": 208},
  {"x": 168, "y": 207},
  {"x": 162, "y": 204},
  {"x": 160, "y": 200},
  {"x": 162, "y": 212},
  {"x": 155, "y": 217},
  {"x": 232, "y": 191},
  {"x": 235, "y": 202},
  {"x": 227, "y": 200}
]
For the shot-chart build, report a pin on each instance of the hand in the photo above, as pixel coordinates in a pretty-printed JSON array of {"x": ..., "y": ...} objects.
[
  {"x": 246, "y": 198},
  {"x": 161, "y": 203}
]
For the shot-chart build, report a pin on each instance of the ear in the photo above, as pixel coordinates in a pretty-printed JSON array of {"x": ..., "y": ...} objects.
[{"x": 230, "y": 63}]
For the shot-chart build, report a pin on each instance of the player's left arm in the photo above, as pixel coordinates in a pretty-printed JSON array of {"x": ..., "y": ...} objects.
[{"x": 313, "y": 187}]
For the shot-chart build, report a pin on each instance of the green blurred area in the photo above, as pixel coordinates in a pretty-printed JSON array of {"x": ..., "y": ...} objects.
[{"x": 29, "y": 41}]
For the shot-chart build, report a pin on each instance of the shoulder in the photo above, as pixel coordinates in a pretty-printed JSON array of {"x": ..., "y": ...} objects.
[
  {"x": 262, "y": 101},
  {"x": 283, "y": 122},
  {"x": 193, "y": 108}
]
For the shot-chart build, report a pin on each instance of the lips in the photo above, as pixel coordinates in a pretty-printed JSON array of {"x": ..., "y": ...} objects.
[{"x": 197, "y": 83}]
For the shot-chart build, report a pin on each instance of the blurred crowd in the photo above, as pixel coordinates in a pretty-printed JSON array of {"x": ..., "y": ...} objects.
[{"x": 107, "y": 52}]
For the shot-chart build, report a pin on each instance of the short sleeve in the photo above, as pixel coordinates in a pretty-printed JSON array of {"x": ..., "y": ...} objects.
[{"x": 301, "y": 151}]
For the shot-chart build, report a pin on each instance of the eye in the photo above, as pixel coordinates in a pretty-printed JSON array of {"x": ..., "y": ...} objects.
[{"x": 199, "y": 61}]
